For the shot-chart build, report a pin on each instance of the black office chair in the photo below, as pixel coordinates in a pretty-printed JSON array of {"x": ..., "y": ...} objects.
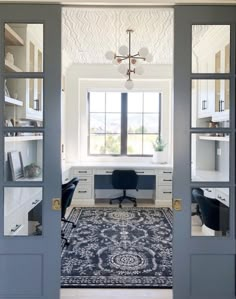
[
  {"x": 195, "y": 205},
  {"x": 66, "y": 198},
  {"x": 74, "y": 181},
  {"x": 215, "y": 214},
  {"x": 124, "y": 180}
]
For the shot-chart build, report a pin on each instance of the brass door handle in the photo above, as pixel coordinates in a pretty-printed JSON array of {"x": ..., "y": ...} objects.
[{"x": 177, "y": 204}]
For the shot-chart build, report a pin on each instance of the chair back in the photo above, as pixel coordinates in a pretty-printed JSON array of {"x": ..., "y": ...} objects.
[
  {"x": 195, "y": 192},
  {"x": 124, "y": 179},
  {"x": 74, "y": 181},
  {"x": 215, "y": 215},
  {"x": 66, "y": 198}
]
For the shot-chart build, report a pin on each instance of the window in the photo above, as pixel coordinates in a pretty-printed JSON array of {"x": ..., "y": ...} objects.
[{"x": 123, "y": 123}]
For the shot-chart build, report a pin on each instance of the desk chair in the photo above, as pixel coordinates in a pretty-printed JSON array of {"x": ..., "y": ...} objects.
[
  {"x": 195, "y": 206},
  {"x": 124, "y": 179},
  {"x": 215, "y": 214},
  {"x": 66, "y": 198}
]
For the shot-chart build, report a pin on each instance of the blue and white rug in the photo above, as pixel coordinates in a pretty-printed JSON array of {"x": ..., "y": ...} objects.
[{"x": 112, "y": 247}]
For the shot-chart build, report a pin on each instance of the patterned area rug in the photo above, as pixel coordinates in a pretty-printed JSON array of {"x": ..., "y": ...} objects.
[{"x": 112, "y": 247}]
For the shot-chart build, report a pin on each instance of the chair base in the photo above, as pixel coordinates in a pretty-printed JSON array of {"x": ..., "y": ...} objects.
[
  {"x": 67, "y": 242},
  {"x": 123, "y": 197}
]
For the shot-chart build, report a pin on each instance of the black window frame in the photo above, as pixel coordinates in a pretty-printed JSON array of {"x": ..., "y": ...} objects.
[{"x": 124, "y": 128}]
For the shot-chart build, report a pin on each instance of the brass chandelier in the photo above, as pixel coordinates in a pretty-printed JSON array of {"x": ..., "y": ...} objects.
[{"x": 133, "y": 60}]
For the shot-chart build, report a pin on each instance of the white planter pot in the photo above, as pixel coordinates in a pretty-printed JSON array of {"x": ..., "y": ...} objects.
[{"x": 158, "y": 157}]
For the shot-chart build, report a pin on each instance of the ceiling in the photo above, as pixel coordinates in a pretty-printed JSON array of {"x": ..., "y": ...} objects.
[{"x": 88, "y": 33}]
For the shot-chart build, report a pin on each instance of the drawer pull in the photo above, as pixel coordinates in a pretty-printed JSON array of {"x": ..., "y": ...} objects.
[
  {"x": 13, "y": 230},
  {"x": 82, "y": 171},
  {"x": 83, "y": 180},
  {"x": 108, "y": 171},
  {"x": 165, "y": 180},
  {"x": 139, "y": 171},
  {"x": 208, "y": 190},
  {"x": 221, "y": 198},
  {"x": 167, "y": 172},
  {"x": 67, "y": 179},
  {"x": 165, "y": 192},
  {"x": 82, "y": 191}
]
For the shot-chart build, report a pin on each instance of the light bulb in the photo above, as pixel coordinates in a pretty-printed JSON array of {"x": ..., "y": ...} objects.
[
  {"x": 129, "y": 84},
  {"x": 134, "y": 61},
  {"x": 123, "y": 50},
  {"x": 139, "y": 70},
  {"x": 149, "y": 57},
  {"x": 122, "y": 69},
  {"x": 110, "y": 55},
  {"x": 143, "y": 52},
  {"x": 115, "y": 62}
]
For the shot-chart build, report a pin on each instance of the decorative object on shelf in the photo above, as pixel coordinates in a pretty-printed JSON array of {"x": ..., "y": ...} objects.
[
  {"x": 6, "y": 90},
  {"x": 143, "y": 54},
  {"x": 32, "y": 170},
  {"x": 9, "y": 57},
  {"x": 158, "y": 146},
  {"x": 16, "y": 165}
]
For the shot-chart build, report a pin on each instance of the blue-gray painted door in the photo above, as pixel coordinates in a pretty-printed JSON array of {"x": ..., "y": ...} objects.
[
  {"x": 30, "y": 175},
  {"x": 204, "y": 152}
]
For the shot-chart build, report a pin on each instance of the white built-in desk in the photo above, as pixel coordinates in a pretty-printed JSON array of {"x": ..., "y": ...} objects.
[{"x": 155, "y": 181}]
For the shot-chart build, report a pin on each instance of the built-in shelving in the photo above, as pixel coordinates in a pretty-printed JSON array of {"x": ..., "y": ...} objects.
[
  {"x": 215, "y": 138},
  {"x": 9, "y": 67},
  {"x": 13, "y": 101},
  {"x": 23, "y": 138},
  {"x": 12, "y": 38}
]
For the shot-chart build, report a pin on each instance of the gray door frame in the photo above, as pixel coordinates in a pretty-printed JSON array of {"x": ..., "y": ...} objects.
[
  {"x": 46, "y": 248},
  {"x": 218, "y": 252}
]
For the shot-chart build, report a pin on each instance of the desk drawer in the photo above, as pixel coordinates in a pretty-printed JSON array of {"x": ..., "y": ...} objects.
[
  {"x": 84, "y": 180},
  {"x": 165, "y": 171},
  {"x": 83, "y": 191},
  {"x": 82, "y": 171},
  {"x": 165, "y": 179},
  {"x": 165, "y": 193},
  {"x": 138, "y": 171}
]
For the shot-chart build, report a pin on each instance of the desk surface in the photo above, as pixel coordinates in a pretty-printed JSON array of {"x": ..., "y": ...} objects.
[{"x": 116, "y": 164}]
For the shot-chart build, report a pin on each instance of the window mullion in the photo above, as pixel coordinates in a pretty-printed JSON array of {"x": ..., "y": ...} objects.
[{"x": 124, "y": 109}]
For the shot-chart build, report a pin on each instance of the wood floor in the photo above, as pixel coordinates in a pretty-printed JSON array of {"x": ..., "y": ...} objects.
[{"x": 115, "y": 293}]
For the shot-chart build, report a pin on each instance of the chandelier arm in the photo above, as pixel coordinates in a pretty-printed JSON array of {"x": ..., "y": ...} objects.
[{"x": 138, "y": 57}]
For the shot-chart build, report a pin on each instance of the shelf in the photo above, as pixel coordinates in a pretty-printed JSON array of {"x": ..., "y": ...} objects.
[
  {"x": 9, "y": 67},
  {"x": 215, "y": 138},
  {"x": 23, "y": 138},
  {"x": 12, "y": 38},
  {"x": 12, "y": 101}
]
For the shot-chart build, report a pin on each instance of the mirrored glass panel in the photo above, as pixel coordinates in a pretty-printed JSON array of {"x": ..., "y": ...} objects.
[
  {"x": 210, "y": 157},
  {"x": 23, "y": 47},
  {"x": 210, "y": 103},
  {"x": 22, "y": 211},
  {"x": 23, "y": 156},
  {"x": 210, "y": 214},
  {"x": 23, "y": 102},
  {"x": 210, "y": 48}
]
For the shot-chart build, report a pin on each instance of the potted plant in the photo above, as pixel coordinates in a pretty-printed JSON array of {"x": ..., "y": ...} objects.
[{"x": 159, "y": 146}]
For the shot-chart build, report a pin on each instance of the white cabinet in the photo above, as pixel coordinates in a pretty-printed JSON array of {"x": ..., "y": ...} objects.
[
  {"x": 164, "y": 187},
  {"x": 84, "y": 189},
  {"x": 205, "y": 99}
]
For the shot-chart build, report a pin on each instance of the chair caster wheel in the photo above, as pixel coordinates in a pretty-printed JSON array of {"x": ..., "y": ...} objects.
[
  {"x": 135, "y": 205},
  {"x": 110, "y": 202},
  {"x": 74, "y": 225},
  {"x": 67, "y": 243},
  {"x": 120, "y": 206}
]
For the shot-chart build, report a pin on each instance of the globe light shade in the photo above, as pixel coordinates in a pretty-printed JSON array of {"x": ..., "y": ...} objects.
[
  {"x": 110, "y": 55},
  {"x": 123, "y": 50},
  {"x": 143, "y": 52},
  {"x": 122, "y": 69},
  {"x": 129, "y": 84},
  {"x": 139, "y": 70},
  {"x": 149, "y": 57}
]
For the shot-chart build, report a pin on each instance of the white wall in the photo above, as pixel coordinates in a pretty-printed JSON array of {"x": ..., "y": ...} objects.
[{"x": 81, "y": 78}]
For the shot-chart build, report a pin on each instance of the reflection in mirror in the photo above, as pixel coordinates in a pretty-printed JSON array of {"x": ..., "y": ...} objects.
[
  {"x": 22, "y": 211},
  {"x": 210, "y": 211},
  {"x": 210, "y": 48},
  {"x": 23, "y": 47},
  {"x": 23, "y": 102},
  {"x": 210, "y": 103},
  {"x": 23, "y": 156},
  {"x": 210, "y": 157}
]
